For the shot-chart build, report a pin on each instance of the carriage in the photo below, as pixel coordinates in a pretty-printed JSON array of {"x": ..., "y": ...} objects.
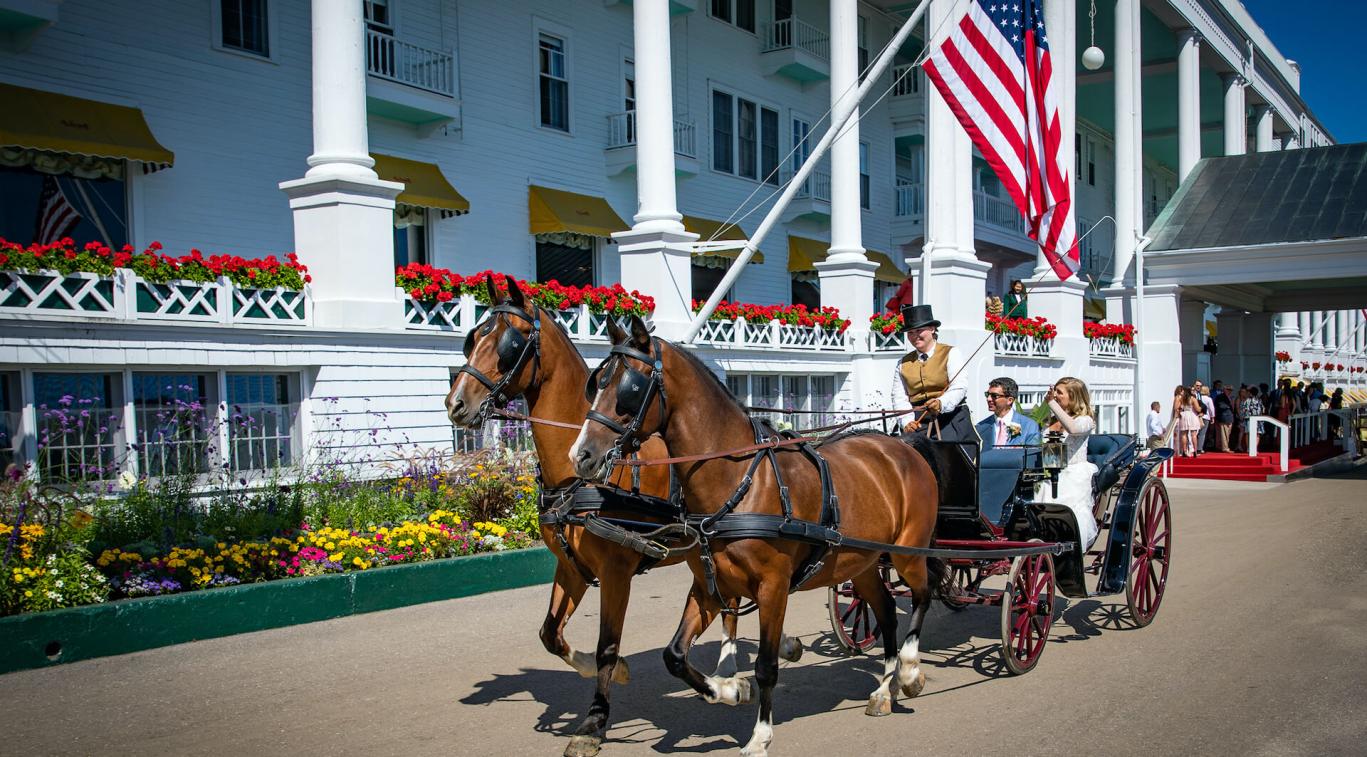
[{"x": 1000, "y": 530}]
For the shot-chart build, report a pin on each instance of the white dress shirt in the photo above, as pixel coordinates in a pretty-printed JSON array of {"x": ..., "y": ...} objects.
[
  {"x": 1154, "y": 423},
  {"x": 953, "y": 395}
]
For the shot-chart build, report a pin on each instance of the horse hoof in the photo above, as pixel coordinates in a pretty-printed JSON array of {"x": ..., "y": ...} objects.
[
  {"x": 584, "y": 746},
  {"x": 754, "y": 751},
  {"x": 621, "y": 673},
  {"x": 790, "y": 649},
  {"x": 879, "y": 705},
  {"x": 915, "y": 686},
  {"x": 743, "y": 691}
]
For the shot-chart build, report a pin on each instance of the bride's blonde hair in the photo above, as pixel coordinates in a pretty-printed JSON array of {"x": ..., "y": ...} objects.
[{"x": 1079, "y": 399}]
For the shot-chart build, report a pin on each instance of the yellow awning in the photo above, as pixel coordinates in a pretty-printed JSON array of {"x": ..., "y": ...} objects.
[
  {"x": 424, "y": 184},
  {"x": 555, "y": 210},
  {"x": 804, "y": 254},
  {"x": 38, "y": 120},
  {"x": 709, "y": 230},
  {"x": 1210, "y": 328}
]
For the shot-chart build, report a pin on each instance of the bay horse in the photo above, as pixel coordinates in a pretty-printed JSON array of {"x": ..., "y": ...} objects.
[
  {"x": 886, "y": 489},
  {"x": 520, "y": 350}
]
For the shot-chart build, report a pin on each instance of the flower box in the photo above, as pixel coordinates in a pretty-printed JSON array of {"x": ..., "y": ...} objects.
[{"x": 48, "y": 292}]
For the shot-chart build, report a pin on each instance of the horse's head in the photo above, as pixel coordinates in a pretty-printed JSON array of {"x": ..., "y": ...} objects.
[
  {"x": 627, "y": 401},
  {"x": 502, "y": 356}
]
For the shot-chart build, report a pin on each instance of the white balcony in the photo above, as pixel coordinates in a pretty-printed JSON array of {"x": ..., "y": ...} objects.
[
  {"x": 908, "y": 99},
  {"x": 620, "y": 154},
  {"x": 1019, "y": 345},
  {"x": 795, "y": 49},
  {"x": 410, "y": 83},
  {"x": 813, "y": 198},
  {"x": 1110, "y": 348},
  {"x": 909, "y": 212}
]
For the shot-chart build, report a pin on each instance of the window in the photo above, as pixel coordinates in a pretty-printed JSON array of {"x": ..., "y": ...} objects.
[
  {"x": 629, "y": 98},
  {"x": 806, "y": 293},
  {"x": 863, "y": 37},
  {"x": 1091, "y": 162},
  {"x": 11, "y": 420},
  {"x": 41, "y": 207},
  {"x": 571, "y": 266},
  {"x": 79, "y": 417},
  {"x": 410, "y": 235},
  {"x": 173, "y": 415},
  {"x": 864, "y": 187},
  {"x": 706, "y": 279},
  {"x": 261, "y": 411},
  {"x": 243, "y": 26},
  {"x": 744, "y": 138},
  {"x": 738, "y": 13},
  {"x": 378, "y": 16},
  {"x": 1077, "y": 156},
  {"x": 555, "y": 85}
]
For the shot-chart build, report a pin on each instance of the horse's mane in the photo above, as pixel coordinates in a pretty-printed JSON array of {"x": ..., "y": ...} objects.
[
  {"x": 564, "y": 333},
  {"x": 702, "y": 368}
]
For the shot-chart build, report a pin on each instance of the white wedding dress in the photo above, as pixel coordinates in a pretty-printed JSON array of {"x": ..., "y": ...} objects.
[{"x": 1075, "y": 480}]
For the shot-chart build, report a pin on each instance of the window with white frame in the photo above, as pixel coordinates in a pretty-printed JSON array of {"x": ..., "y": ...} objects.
[
  {"x": 863, "y": 41},
  {"x": 378, "y": 16},
  {"x": 244, "y": 26},
  {"x": 744, "y": 138},
  {"x": 79, "y": 430},
  {"x": 174, "y": 420},
  {"x": 629, "y": 97},
  {"x": 1091, "y": 162},
  {"x": 411, "y": 225},
  {"x": 567, "y": 258},
  {"x": 553, "y": 80},
  {"x": 813, "y": 395},
  {"x": 864, "y": 182},
  {"x": 261, "y": 415},
  {"x": 738, "y": 13},
  {"x": 11, "y": 420}
]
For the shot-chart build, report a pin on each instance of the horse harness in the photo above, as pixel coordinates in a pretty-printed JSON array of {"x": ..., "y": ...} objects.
[{"x": 513, "y": 350}]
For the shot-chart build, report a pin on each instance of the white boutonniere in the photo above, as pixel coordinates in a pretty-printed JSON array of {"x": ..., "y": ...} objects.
[{"x": 1013, "y": 429}]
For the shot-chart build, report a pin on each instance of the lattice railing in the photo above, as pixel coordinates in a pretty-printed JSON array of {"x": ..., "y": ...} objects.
[
  {"x": 1019, "y": 345},
  {"x": 179, "y": 300},
  {"x": 772, "y": 335},
  {"x": 1110, "y": 348},
  {"x": 894, "y": 342},
  {"x": 277, "y": 306},
  {"x": 51, "y": 293}
]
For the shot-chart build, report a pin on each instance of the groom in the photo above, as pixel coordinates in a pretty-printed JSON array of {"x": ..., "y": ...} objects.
[{"x": 1005, "y": 426}]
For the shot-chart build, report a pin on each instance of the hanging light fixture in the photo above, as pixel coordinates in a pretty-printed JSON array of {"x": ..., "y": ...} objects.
[{"x": 1092, "y": 57}]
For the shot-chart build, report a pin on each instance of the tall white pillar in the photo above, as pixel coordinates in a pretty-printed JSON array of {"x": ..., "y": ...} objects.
[
  {"x": 1303, "y": 324},
  {"x": 343, "y": 214},
  {"x": 847, "y": 274},
  {"x": 656, "y": 255},
  {"x": 1342, "y": 343},
  {"x": 1320, "y": 325},
  {"x": 1236, "y": 118},
  {"x": 1128, "y": 138},
  {"x": 1262, "y": 118},
  {"x": 1188, "y": 101}
]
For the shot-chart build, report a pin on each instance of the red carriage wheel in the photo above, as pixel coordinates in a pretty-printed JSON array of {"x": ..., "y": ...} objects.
[
  {"x": 960, "y": 584},
  {"x": 852, "y": 619},
  {"x": 1150, "y": 550},
  {"x": 1027, "y": 611}
]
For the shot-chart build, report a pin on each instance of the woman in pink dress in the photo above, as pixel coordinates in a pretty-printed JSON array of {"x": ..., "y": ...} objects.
[{"x": 1188, "y": 421}]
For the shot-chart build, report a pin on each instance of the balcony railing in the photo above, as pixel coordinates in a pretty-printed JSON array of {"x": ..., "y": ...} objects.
[
  {"x": 397, "y": 61},
  {"x": 792, "y": 33},
  {"x": 907, "y": 80},
  {"x": 911, "y": 200},
  {"x": 772, "y": 335},
  {"x": 1019, "y": 345},
  {"x": 622, "y": 133},
  {"x": 816, "y": 187},
  {"x": 997, "y": 212},
  {"x": 1110, "y": 348}
]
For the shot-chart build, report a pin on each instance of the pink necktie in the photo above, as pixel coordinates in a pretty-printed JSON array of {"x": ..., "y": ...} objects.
[{"x": 1001, "y": 431}]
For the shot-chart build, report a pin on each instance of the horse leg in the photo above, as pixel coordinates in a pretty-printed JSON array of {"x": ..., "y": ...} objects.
[
  {"x": 614, "y": 593},
  {"x": 773, "y": 605},
  {"x": 874, "y": 590},
  {"x": 566, "y": 592},
  {"x": 789, "y": 648},
  {"x": 700, "y": 609},
  {"x": 915, "y": 573}
]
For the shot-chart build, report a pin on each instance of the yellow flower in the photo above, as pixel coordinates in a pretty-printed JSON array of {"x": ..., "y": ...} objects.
[
  {"x": 357, "y": 561},
  {"x": 337, "y": 557}
]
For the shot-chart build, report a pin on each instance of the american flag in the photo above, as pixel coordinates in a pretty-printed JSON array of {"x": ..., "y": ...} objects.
[
  {"x": 995, "y": 72},
  {"x": 56, "y": 216}
]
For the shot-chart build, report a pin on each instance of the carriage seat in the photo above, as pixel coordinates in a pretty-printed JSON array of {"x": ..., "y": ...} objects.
[
  {"x": 1110, "y": 453},
  {"x": 999, "y": 473}
]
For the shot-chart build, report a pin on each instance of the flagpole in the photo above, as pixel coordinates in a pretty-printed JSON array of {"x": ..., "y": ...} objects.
[{"x": 771, "y": 219}]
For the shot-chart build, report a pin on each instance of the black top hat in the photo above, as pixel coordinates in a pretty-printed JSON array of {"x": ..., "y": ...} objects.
[{"x": 918, "y": 317}]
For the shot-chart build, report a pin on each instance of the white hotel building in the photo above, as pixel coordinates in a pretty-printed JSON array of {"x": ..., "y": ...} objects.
[{"x": 588, "y": 141}]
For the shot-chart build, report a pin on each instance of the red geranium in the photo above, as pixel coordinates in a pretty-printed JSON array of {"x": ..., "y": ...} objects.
[
  {"x": 64, "y": 257},
  {"x": 1120, "y": 332},
  {"x": 1038, "y": 327},
  {"x": 828, "y": 318},
  {"x": 430, "y": 284},
  {"x": 1283, "y": 357}
]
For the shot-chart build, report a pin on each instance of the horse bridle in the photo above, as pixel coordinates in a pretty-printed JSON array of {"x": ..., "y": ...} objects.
[
  {"x": 635, "y": 393},
  {"x": 513, "y": 350}
]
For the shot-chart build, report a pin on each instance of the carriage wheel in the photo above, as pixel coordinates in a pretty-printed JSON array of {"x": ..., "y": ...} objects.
[
  {"x": 1150, "y": 550},
  {"x": 961, "y": 583},
  {"x": 1027, "y": 611},
  {"x": 852, "y": 619}
]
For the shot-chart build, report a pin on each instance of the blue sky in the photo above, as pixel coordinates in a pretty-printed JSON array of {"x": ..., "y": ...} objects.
[{"x": 1325, "y": 38}]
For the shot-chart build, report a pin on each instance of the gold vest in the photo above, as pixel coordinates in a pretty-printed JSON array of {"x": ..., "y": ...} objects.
[{"x": 925, "y": 380}]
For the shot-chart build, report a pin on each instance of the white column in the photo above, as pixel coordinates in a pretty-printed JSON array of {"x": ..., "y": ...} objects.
[
  {"x": 1319, "y": 326},
  {"x": 846, "y": 274},
  {"x": 1128, "y": 137},
  {"x": 1345, "y": 333},
  {"x": 1236, "y": 119},
  {"x": 1262, "y": 117},
  {"x": 343, "y": 214},
  {"x": 656, "y": 254},
  {"x": 1188, "y": 101},
  {"x": 1303, "y": 324}
]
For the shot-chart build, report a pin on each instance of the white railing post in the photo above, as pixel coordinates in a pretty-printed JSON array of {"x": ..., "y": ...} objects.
[
  {"x": 1252, "y": 436},
  {"x": 223, "y": 295}
]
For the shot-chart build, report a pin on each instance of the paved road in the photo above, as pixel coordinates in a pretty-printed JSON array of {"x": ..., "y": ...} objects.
[{"x": 1258, "y": 650}]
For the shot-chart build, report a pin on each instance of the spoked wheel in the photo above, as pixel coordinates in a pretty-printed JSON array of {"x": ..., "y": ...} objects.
[
  {"x": 1027, "y": 611},
  {"x": 961, "y": 583},
  {"x": 852, "y": 619},
  {"x": 1150, "y": 550}
]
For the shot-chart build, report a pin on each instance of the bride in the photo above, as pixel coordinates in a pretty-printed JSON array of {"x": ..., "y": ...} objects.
[{"x": 1072, "y": 414}]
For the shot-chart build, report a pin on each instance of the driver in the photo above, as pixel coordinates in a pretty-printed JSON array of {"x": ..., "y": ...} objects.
[{"x": 930, "y": 377}]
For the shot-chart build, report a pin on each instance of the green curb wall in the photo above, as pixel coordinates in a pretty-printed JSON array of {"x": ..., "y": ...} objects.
[{"x": 41, "y": 639}]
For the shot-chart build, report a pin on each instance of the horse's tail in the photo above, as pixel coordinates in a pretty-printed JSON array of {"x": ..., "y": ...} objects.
[{"x": 939, "y": 576}]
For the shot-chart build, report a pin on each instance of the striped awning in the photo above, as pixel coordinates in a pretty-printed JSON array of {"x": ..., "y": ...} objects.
[
  {"x": 425, "y": 186},
  {"x": 554, "y": 211},
  {"x": 32, "y": 119}
]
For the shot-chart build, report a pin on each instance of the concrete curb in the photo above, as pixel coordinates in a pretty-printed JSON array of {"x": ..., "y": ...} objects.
[{"x": 41, "y": 639}]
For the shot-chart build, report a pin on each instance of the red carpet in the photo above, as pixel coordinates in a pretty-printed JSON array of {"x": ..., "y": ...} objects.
[{"x": 1239, "y": 466}]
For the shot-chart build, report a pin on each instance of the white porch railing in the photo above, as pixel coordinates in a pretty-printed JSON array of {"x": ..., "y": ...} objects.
[
  {"x": 1284, "y": 445},
  {"x": 462, "y": 313},
  {"x": 906, "y": 80},
  {"x": 911, "y": 200},
  {"x": 792, "y": 33},
  {"x": 125, "y": 296},
  {"x": 817, "y": 186},
  {"x": 894, "y": 342},
  {"x": 1019, "y": 345},
  {"x": 398, "y": 61},
  {"x": 772, "y": 335},
  {"x": 998, "y": 212},
  {"x": 622, "y": 133},
  {"x": 1110, "y": 348}
]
